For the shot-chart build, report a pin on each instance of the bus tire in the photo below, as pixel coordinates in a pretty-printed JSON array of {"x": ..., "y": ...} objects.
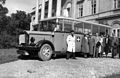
[{"x": 45, "y": 52}]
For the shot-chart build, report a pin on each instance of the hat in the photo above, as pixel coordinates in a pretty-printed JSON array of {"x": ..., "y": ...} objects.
[{"x": 72, "y": 31}]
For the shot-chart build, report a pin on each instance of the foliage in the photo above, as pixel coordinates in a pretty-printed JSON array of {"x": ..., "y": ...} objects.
[
  {"x": 10, "y": 26},
  {"x": 3, "y": 1}
]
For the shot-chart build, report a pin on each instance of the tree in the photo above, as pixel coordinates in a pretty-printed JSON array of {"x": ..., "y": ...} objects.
[
  {"x": 19, "y": 21},
  {"x": 3, "y": 1},
  {"x": 11, "y": 26},
  {"x": 3, "y": 10}
]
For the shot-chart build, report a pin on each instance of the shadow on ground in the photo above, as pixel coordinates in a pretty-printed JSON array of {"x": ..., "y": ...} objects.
[
  {"x": 58, "y": 56},
  {"x": 27, "y": 58},
  {"x": 113, "y": 76}
]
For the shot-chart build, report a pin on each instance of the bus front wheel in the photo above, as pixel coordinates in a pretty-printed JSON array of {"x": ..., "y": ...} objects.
[{"x": 45, "y": 52}]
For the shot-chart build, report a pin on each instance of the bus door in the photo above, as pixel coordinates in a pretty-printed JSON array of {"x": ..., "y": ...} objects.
[
  {"x": 67, "y": 28},
  {"x": 58, "y": 37},
  {"x": 58, "y": 41},
  {"x": 78, "y": 28},
  {"x": 78, "y": 41}
]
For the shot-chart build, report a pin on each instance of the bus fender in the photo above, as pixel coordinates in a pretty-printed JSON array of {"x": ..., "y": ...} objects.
[{"x": 40, "y": 43}]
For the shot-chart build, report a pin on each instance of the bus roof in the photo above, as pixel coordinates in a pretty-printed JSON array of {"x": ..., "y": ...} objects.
[{"x": 68, "y": 18}]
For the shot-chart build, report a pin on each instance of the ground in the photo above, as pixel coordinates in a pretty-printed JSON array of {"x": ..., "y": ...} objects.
[{"x": 58, "y": 68}]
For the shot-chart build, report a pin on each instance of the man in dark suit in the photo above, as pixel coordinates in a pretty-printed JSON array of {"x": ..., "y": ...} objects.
[
  {"x": 119, "y": 47},
  {"x": 107, "y": 48},
  {"x": 115, "y": 44}
]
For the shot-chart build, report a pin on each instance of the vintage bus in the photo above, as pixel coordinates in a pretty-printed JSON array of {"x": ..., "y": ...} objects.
[{"x": 49, "y": 36}]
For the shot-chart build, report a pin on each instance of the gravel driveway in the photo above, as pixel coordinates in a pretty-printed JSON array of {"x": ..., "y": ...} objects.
[{"x": 61, "y": 68}]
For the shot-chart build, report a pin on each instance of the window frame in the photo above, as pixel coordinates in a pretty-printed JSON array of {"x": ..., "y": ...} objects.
[
  {"x": 94, "y": 6},
  {"x": 80, "y": 9}
]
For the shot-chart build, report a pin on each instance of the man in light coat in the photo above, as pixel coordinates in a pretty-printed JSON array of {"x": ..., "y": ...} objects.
[
  {"x": 71, "y": 45},
  {"x": 97, "y": 45}
]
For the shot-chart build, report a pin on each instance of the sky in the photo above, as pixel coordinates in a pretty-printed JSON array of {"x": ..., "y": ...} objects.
[{"x": 24, "y": 5}]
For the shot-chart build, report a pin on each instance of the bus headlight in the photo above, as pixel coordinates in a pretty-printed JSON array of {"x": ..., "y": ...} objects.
[{"x": 23, "y": 39}]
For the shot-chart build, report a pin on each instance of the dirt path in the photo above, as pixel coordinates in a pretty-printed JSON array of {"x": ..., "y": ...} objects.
[{"x": 61, "y": 68}]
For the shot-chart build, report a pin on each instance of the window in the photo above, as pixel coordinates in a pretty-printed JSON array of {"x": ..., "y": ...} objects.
[
  {"x": 54, "y": 7},
  {"x": 59, "y": 25},
  {"x": 95, "y": 29},
  {"x": 93, "y": 2},
  {"x": 87, "y": 28},
  {"x": 46, "y": 9},
  {"x": 80, "y": 10},
  {"x": 78, "y": 27},
  {"x": 48, "y": 25},
  {"x": 116, "y": 4},
  {"x": 68, "y": 25}
]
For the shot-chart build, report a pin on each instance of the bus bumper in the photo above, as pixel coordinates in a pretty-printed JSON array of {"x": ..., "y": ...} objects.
[
  {"x": 22, "y": 52},
  {"x": 27, "y": 50}
]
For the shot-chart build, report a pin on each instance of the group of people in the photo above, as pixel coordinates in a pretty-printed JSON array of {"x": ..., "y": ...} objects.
[{"x": 94, "y": 46}]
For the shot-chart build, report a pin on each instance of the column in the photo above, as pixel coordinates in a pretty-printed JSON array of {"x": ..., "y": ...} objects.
[
  {"x": 32, "y": 23},
  {"x": 74, "y": 8},
  {"x": 43, "y": 9},
  {"x": 50, "y": 8},
  {"x": 116, "y": 32},
  {"x": 37, "y": 12},
  {"x": 31, "y": 27},
  {"x": 58, "y": 9}
]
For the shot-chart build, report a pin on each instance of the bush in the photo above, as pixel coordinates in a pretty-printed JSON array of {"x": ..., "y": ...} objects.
[{"x": 8, "y": 41}]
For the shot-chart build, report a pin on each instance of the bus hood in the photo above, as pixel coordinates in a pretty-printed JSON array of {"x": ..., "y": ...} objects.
[{"x": 40, "y": 32}]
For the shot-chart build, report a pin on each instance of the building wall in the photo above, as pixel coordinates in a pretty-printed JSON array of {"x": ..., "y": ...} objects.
[
  {"x": 87, "y": 8},
  {"x": 105, "y": 5},
  {"x": 101, "y": 6}
]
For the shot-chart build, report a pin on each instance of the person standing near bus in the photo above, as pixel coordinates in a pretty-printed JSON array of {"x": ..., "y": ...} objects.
[
  {"x": 115, "y": 43},
  {"x": 119, "y": 47},
  {"x": 101, "y": 48},
  {"x": 85, "y": 46},
  {"x": 91, "y": 42},
  {"x": 71, "y": 45},
  {"x": 107, "y": 48},
  {"x": 97, "y": 45}
]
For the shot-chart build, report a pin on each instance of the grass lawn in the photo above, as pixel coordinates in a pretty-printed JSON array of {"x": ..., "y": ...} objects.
[{"x": 8, "y": 55}]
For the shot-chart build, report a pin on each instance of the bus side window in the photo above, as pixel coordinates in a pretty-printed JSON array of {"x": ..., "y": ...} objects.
[
  {"x": 47, "y": 25},
  {"x": 59, "y": 25},
  {"x": 67, "y": 25},
  {"x": 35, "y": 27},
  {"x": 42, "y": 25},
  {"x": 87, "y": 28},
  {"x": 78, "y": 27},
  {"x": 102, "y": 30},
  {"x": 51, "y": 25},
  {"x": 95, "y": 29}
]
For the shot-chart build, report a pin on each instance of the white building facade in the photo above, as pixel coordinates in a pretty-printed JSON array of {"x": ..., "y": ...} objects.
[{"x": 99, "y": 11}]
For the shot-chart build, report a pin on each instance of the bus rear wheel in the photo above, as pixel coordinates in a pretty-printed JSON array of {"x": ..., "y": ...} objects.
[{"x": 45, "y": 52}]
